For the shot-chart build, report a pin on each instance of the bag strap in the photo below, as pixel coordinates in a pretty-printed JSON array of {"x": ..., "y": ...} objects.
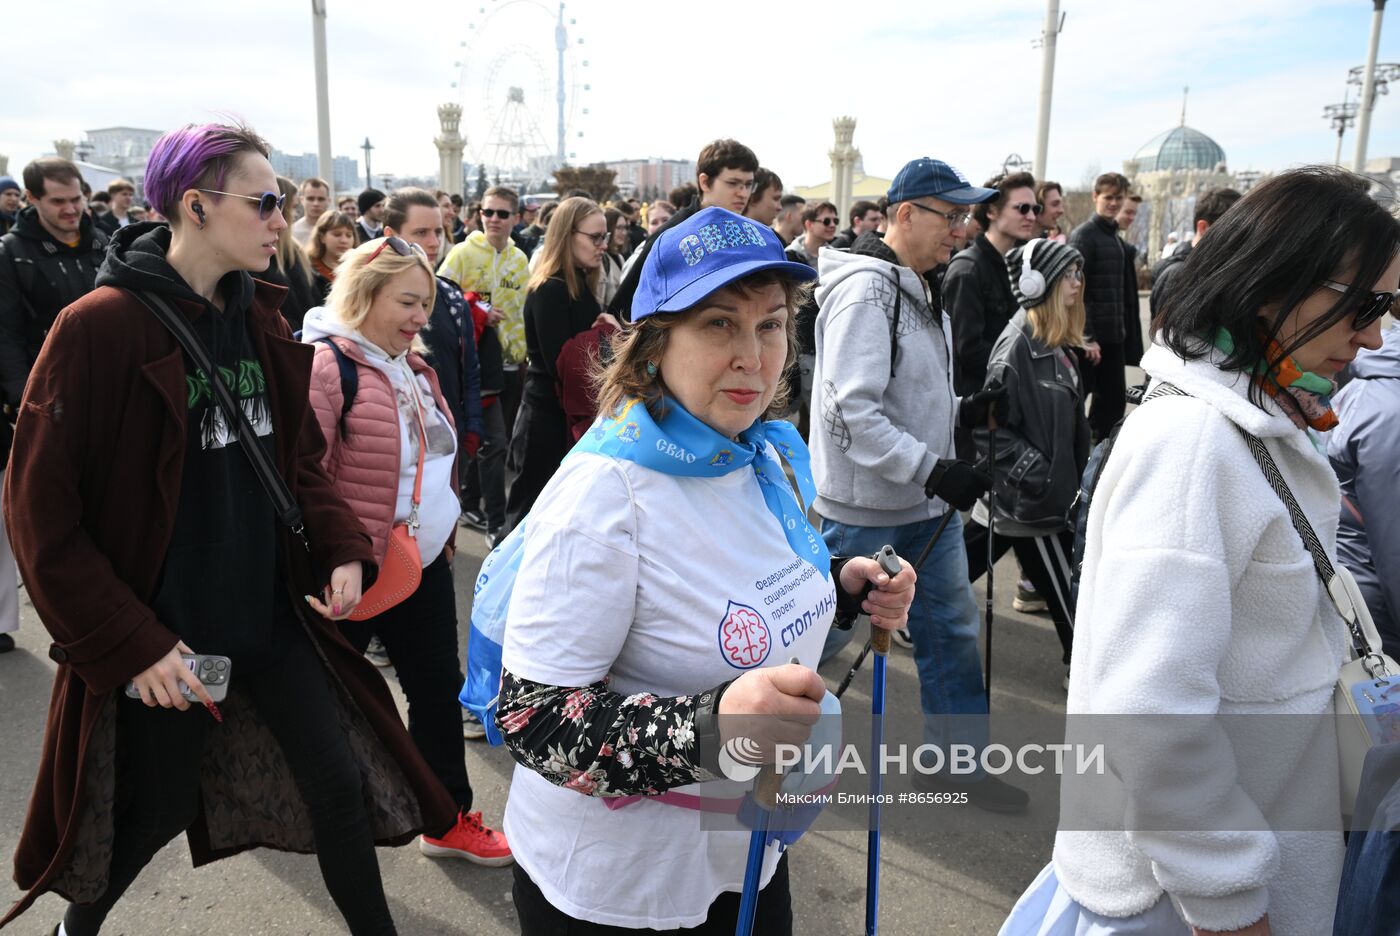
[
  {"x": 288, "y": 511},
  {"x": 349, "y": 378},
  {"x": 1332, "y": 582},
  {"x": 422, "y": 450},
  {"x": 1336, "y": 590}
]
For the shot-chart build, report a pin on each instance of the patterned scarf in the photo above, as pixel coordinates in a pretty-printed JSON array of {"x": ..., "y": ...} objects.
[{"x": 1309, "y": 395}]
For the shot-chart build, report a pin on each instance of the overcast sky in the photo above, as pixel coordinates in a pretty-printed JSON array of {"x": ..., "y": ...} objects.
[{"x": 955, "y": 80}]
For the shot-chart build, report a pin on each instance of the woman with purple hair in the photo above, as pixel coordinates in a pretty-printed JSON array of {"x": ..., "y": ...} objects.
[{"x": 145, "y": 534}]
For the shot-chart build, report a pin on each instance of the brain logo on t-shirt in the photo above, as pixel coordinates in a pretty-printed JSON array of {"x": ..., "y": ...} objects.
[{"x": 744, "y": 638}]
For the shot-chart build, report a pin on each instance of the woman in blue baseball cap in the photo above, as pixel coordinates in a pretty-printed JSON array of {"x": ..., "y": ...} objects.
[{"x": 668, "y": 575}]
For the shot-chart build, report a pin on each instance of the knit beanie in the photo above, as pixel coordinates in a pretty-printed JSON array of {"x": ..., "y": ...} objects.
[
  {"x": 369, "y": 198},
  {"x": 7, "y": 183},
  {"x": 1050, "y": 258}
]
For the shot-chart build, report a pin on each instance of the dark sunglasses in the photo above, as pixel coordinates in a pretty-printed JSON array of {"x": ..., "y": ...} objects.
[
  {"x": 1372, "y": 307},
  {"x": 501, "y": 213},
  {"x": 829, "y": 222},
  {"x": 399, "y": 246},
  {"x": 268, "y": 202},
  {"x": 1026, "y": 208}
]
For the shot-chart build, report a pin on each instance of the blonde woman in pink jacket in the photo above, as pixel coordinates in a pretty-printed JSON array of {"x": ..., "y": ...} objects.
[{"x": 382, "y": 298}]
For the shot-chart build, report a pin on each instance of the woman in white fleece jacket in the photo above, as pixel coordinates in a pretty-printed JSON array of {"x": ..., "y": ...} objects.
[{"x": 1198, "y": 597}]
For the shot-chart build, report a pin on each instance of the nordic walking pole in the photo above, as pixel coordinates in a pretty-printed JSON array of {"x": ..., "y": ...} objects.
[
  {"x": 918, "y": 564},
  {"x": 880, "y": 641},
  {"x": 765, "y": 796},
  {"x": 991, "y": 555}
]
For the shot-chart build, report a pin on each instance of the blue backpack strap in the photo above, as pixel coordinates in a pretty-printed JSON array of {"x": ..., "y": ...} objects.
[{"x": 349, "y": 378}]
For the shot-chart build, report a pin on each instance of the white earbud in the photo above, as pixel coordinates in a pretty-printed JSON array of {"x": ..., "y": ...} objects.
[{"x": 1031, "y": 283}]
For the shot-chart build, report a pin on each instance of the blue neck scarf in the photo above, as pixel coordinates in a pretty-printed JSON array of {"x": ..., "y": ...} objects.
[{"x": 682, "y": 445}]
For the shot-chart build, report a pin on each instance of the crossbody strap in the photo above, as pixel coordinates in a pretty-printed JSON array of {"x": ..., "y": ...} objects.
[
  {"x": 1326, "y": 573},
  {"x": 422, "y": 452},
  {"x": 288, "y": 512}
]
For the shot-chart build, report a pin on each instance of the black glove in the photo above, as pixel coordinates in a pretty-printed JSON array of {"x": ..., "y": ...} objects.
[
  {"x": 989, "y": 401},
  {"x": 957, "y": 483}
]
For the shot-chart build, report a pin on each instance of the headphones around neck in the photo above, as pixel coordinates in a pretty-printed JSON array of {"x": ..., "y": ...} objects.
[{"x": 1031, "y": 283}]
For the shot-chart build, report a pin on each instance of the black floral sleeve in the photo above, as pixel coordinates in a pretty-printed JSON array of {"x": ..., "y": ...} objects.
[{"x": 601, "y": 743}]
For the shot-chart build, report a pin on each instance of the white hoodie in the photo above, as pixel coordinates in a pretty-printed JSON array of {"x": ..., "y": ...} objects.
[{"x": 440, "y": 508}]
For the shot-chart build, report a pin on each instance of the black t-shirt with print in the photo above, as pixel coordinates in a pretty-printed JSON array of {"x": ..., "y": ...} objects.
[{"x": 220, "y": 583}]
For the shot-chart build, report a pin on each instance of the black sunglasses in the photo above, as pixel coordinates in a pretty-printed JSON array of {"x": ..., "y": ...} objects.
[
  {"x": 268, "y": 202},
  {"x": 1026, "y": 208},
  {"x": 501, "y": 213},
  {"x": 1372, "y": 307},
  {"x": 400, "y": 246}
]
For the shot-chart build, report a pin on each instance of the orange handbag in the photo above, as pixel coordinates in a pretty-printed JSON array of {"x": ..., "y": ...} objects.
[{"x": 402, "y": 567}]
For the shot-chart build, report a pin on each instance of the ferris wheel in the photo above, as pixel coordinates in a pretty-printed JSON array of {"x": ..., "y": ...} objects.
[{"x": 522, "y": 95}]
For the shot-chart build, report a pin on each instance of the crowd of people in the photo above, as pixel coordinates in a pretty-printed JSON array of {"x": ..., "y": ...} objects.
[{"x": 251, "y": 389}]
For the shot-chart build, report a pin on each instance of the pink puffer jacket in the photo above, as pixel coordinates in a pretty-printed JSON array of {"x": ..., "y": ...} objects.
[{"x": 363, "y": 463}]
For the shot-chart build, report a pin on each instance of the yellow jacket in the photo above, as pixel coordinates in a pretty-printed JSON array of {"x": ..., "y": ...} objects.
[{"x": 499, "y": 278}]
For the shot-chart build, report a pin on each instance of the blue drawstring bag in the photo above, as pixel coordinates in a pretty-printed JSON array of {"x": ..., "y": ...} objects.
[{"x": 490, "y": 603}]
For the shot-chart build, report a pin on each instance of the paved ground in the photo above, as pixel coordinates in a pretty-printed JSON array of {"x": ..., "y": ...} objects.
[{"x": 933, "y": 881}]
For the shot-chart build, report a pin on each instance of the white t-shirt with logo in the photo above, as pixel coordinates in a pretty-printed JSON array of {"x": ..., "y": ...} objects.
[{"x": 690, "y": 588}]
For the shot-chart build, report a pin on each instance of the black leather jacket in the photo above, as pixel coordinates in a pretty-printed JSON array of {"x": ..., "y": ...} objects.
[
  {"x": 977, "y": 295},
  {"x": 1043, "y": 448}
]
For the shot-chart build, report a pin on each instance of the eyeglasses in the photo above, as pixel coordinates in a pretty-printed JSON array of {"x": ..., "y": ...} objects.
[
  {"x": 829, "y": 222},
  {"x": 501, "y": 213},
  {"x": 745, "y": 185},
  {"x": 1075, "y": 275},
  {"x": 268, "y": 202},
  {"x": 1026, "y": 208},
  {"x": 399, "y": 246},
  {"x": 598, "y": 239},
  {"x": 955, "y": 218},
  {"x": 1372, "y": 307}
]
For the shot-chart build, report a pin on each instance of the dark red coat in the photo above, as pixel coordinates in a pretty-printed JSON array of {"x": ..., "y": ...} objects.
[{"x": 90, "y": 500}]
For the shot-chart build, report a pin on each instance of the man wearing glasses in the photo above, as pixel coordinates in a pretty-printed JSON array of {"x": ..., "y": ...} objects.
[
  {"x": 489, "y": 265},
  {"x": 724, "y": 174},
  {"x": 976, "y": 289},
  {"x": 883, "y": 414},
  {"x": 819, "y": 229}
]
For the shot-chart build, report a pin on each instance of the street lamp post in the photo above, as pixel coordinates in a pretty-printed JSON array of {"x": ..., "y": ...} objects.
[
  {"x": 324, "y": 162},
  {"x": 1054, "y": 22},
  {"x": 1368, "y": 88},
  {"x": 1342, "y": 116},
  {"x": 369, "y": 179}
]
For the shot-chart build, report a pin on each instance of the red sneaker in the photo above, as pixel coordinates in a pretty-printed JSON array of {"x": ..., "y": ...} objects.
[{"x": 471, "y": 840}]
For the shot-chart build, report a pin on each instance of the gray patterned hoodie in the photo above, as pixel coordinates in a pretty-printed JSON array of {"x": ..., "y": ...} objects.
[{"x": 883, "y": 405}]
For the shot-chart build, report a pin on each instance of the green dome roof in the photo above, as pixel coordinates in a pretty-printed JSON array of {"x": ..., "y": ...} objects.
[{"x": 1179, "y": 148}]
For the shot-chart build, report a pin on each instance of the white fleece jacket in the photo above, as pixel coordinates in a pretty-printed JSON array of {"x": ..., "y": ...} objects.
[{"x": 1198, "y": 597}]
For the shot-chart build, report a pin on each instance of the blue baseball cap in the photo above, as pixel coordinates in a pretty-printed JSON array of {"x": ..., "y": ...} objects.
[
  {"x": 925, "y": 177},
  {"x": 704, "y": 253}
]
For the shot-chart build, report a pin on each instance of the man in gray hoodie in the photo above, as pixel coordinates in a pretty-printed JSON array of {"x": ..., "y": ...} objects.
[
  {"x": 884, "y": 411},
  {"x": 1365, "y": 453}
]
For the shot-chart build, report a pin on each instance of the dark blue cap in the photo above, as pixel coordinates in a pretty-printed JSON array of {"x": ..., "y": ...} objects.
[
  {"x": 704, "y": 253},
  {"x": 925, "y": 177}
]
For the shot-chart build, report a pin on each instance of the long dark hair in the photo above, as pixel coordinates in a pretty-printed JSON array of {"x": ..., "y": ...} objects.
[{"x": 1275, "y": 247}]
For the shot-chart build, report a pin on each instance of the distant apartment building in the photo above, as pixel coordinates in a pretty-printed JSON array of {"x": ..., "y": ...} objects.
[
  {"x": 305, "y": 165},
  {"x": 649, "y": 178}
]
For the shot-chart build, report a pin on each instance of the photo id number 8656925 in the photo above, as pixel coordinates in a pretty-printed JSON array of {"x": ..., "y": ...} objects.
[{"x": 934, "y": 799}]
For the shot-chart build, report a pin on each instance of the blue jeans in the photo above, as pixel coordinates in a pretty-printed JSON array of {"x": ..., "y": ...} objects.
[{"x": 942, "y": 621}]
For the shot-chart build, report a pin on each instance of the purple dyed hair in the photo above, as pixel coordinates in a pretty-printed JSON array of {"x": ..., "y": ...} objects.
[{"x": 196, "y": 156}]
